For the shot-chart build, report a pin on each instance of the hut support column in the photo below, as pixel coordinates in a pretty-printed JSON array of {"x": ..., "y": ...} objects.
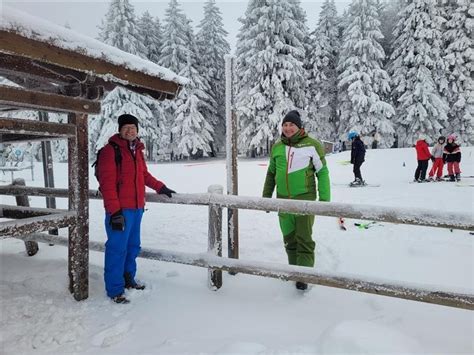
[{"x": 78, "y": 159}]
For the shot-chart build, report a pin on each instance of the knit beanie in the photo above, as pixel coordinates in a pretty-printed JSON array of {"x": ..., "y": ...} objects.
[
  {"x": 127, "y": 119},
  {"x": 294, "y": 117}
]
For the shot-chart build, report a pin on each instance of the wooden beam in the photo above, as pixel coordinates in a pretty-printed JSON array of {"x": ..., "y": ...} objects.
[
  {"x": 18, "y": 97},
  {"x": 17, "y": 126},
  {"x": 46, "y": 52},
  {"x": 24, "y": 138},
  {"x": 15, "y": 66},
  {"x": 36, "y": 224},
  {"x": 78, "y": 164},
  {"x": 20, "y": 212}
]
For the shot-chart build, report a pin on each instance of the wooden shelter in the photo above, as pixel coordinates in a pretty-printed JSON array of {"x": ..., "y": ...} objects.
[{"x": 58, "y": 70}]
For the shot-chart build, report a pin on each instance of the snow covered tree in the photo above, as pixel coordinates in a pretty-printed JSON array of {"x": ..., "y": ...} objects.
[
  {"x": 322, "y": 90},
  {"x": 459, "y": 58},
  {"x": 119, "y": 29},
  {"x": 212, "y": 47},
  {"x": 270, "y": 73},
  {"x": 151, "y": 33},
  {"x": 179, "y": 53},
  {"x": 388, "y": 16},
  {"x": 193, "y": 133},
  {"x": 417, "y": 69},
  {"x": 363, "y": 83}
]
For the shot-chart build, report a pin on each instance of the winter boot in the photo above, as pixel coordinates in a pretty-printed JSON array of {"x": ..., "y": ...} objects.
[
  {"x": 130, "y": 283},
  {"x": 120, "y": 299},
  {"x": 301, "y": 285},
  {"x": 458, "y": 177},
  {"x": 452, "y": 178},
  {"x": 439, "y": 179}
]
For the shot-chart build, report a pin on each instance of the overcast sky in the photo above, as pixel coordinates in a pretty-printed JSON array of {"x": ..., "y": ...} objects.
[{"x": 84, "y": 16}]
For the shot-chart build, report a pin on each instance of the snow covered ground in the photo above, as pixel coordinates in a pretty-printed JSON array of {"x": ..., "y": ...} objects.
[{"x": 177, "y": 313}]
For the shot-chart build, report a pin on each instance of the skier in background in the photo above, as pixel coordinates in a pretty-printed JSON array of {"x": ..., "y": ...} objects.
[
  {"x": 423, "y": 156},
  {"x": 453, "y": 158},
  {"x": 357, "y": 157},
  {"x": 437, "y": 159}
]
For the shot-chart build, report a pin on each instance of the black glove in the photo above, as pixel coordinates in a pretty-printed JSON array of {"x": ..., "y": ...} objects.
[
  {"x": 165, "y": 191},
  {"x": 117, "y": 221},
  {"x": 432, "y": 158}
]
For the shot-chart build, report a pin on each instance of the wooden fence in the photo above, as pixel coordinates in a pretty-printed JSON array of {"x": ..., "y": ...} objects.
[{"x": 215, "y": 263}]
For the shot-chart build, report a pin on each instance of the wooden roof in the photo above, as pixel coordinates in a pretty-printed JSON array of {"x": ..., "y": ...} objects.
[{"x": 45, "y": 66}]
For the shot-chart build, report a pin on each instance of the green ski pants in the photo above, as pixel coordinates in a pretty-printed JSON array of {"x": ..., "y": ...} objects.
[{"x": 297, "y": 233}]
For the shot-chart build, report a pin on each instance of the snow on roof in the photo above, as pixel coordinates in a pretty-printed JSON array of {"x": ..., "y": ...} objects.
[{"x": 12, "y": 20}]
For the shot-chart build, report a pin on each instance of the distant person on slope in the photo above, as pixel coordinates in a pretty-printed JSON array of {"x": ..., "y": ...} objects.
[
  {"x": 423, "y": 155},
  {"x": 453, "y": 158},
  {"x": 122, "y": 185},
  {"x": 437, "y": 159},
  {"x": 357, "y": 157},
  {"x": 295, "y": 160}
]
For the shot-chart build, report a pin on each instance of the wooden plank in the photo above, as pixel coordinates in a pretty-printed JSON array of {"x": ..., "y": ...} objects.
[
  {"x": 12, "y": 65},
  {"x": 16, "y": 44},
  {"x": 17, "y": 126},
  {"x": 36, "y": 224},
  {"x": 24, "y": 211},
  {"x": 18, "y": 97},
  {"x": 24, "y": 138},
  {"x": 78, "y": 256}
]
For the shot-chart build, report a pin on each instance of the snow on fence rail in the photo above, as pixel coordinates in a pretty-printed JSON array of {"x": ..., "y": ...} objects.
[{"x": 215, "y": 263}]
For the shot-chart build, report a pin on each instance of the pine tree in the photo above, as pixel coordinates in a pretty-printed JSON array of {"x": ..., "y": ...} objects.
[
  {"x": 193, "y": 133},
  {"x": 416, "y": 67},
  {"x": 322, "y": 91},
  {"x": 362, "y": 82},
  {"x": 388, "y": 16},
  {"x": 151, "y": 33},
  {"x": 120, "y": 28},
  {"x": 458, "y": 54},
  {"x": 212, "y": 47},
  {"x": 270, "y": 73}
]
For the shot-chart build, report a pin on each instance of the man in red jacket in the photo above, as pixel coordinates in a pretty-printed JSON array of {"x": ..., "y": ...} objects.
[
  {"x": 122, "y": 184},
  {"x": 423, "y": 155}
]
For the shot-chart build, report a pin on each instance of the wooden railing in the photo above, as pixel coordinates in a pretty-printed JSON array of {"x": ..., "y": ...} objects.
[{"x": 215, "y": 263}]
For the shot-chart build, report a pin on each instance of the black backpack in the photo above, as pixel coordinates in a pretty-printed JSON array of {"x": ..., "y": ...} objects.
[{"x": 118, "y": 159}]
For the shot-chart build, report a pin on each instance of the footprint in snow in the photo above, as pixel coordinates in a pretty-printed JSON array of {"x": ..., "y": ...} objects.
[{"x": 112, "y": 335}]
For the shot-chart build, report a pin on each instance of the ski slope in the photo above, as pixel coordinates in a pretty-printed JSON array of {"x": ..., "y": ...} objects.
[{"x": 178, "y": 314}]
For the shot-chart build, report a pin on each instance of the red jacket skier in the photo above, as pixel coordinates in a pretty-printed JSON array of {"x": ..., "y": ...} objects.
[
  {"x": 423, "y": 155},
  {"x": 122, "y": 184}
]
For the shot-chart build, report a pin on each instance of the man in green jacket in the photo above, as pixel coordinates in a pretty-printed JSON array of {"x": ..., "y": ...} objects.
[{"x": 295, "y": 160}]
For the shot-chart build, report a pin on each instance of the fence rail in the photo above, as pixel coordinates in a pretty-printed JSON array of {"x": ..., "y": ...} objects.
[{"x": 412, "y": 216}]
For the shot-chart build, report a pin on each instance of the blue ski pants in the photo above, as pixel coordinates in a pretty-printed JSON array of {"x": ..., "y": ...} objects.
[{"x": 121, "y": 251}]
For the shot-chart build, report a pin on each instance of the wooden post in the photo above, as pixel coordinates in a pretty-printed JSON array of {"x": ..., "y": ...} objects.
[
  {"x": 48, "y": 172},
  {"x": 78, "y": 159},
  {"x": 215, "y": 237},
  {"x": 231, "y": 156},
  {"x": 22, "y": 200}
]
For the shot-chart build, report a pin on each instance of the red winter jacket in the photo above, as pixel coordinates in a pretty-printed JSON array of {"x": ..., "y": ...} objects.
[
  {"x": 422, "y": 150},
  {"x": 124, "y": 186}
]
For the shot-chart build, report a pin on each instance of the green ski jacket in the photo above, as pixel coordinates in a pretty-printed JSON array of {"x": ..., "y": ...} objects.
[{"x": 293, "y": 164}]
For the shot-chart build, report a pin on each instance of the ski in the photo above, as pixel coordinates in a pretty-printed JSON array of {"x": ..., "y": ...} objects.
[
  {"x": 464, "y": 184},
  {"x": 367, "y": 225},
  {"x": 356, "y": 186}
]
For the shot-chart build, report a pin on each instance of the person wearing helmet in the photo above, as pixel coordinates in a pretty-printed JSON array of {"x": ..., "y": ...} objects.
[
  {"x": 423, "y": 156},
  {"x": 357, "y": 157},
  {"x": 437, "y": 159},
  {"x": 295, "y": 161},
  {"x": 452, "y": 152}
]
